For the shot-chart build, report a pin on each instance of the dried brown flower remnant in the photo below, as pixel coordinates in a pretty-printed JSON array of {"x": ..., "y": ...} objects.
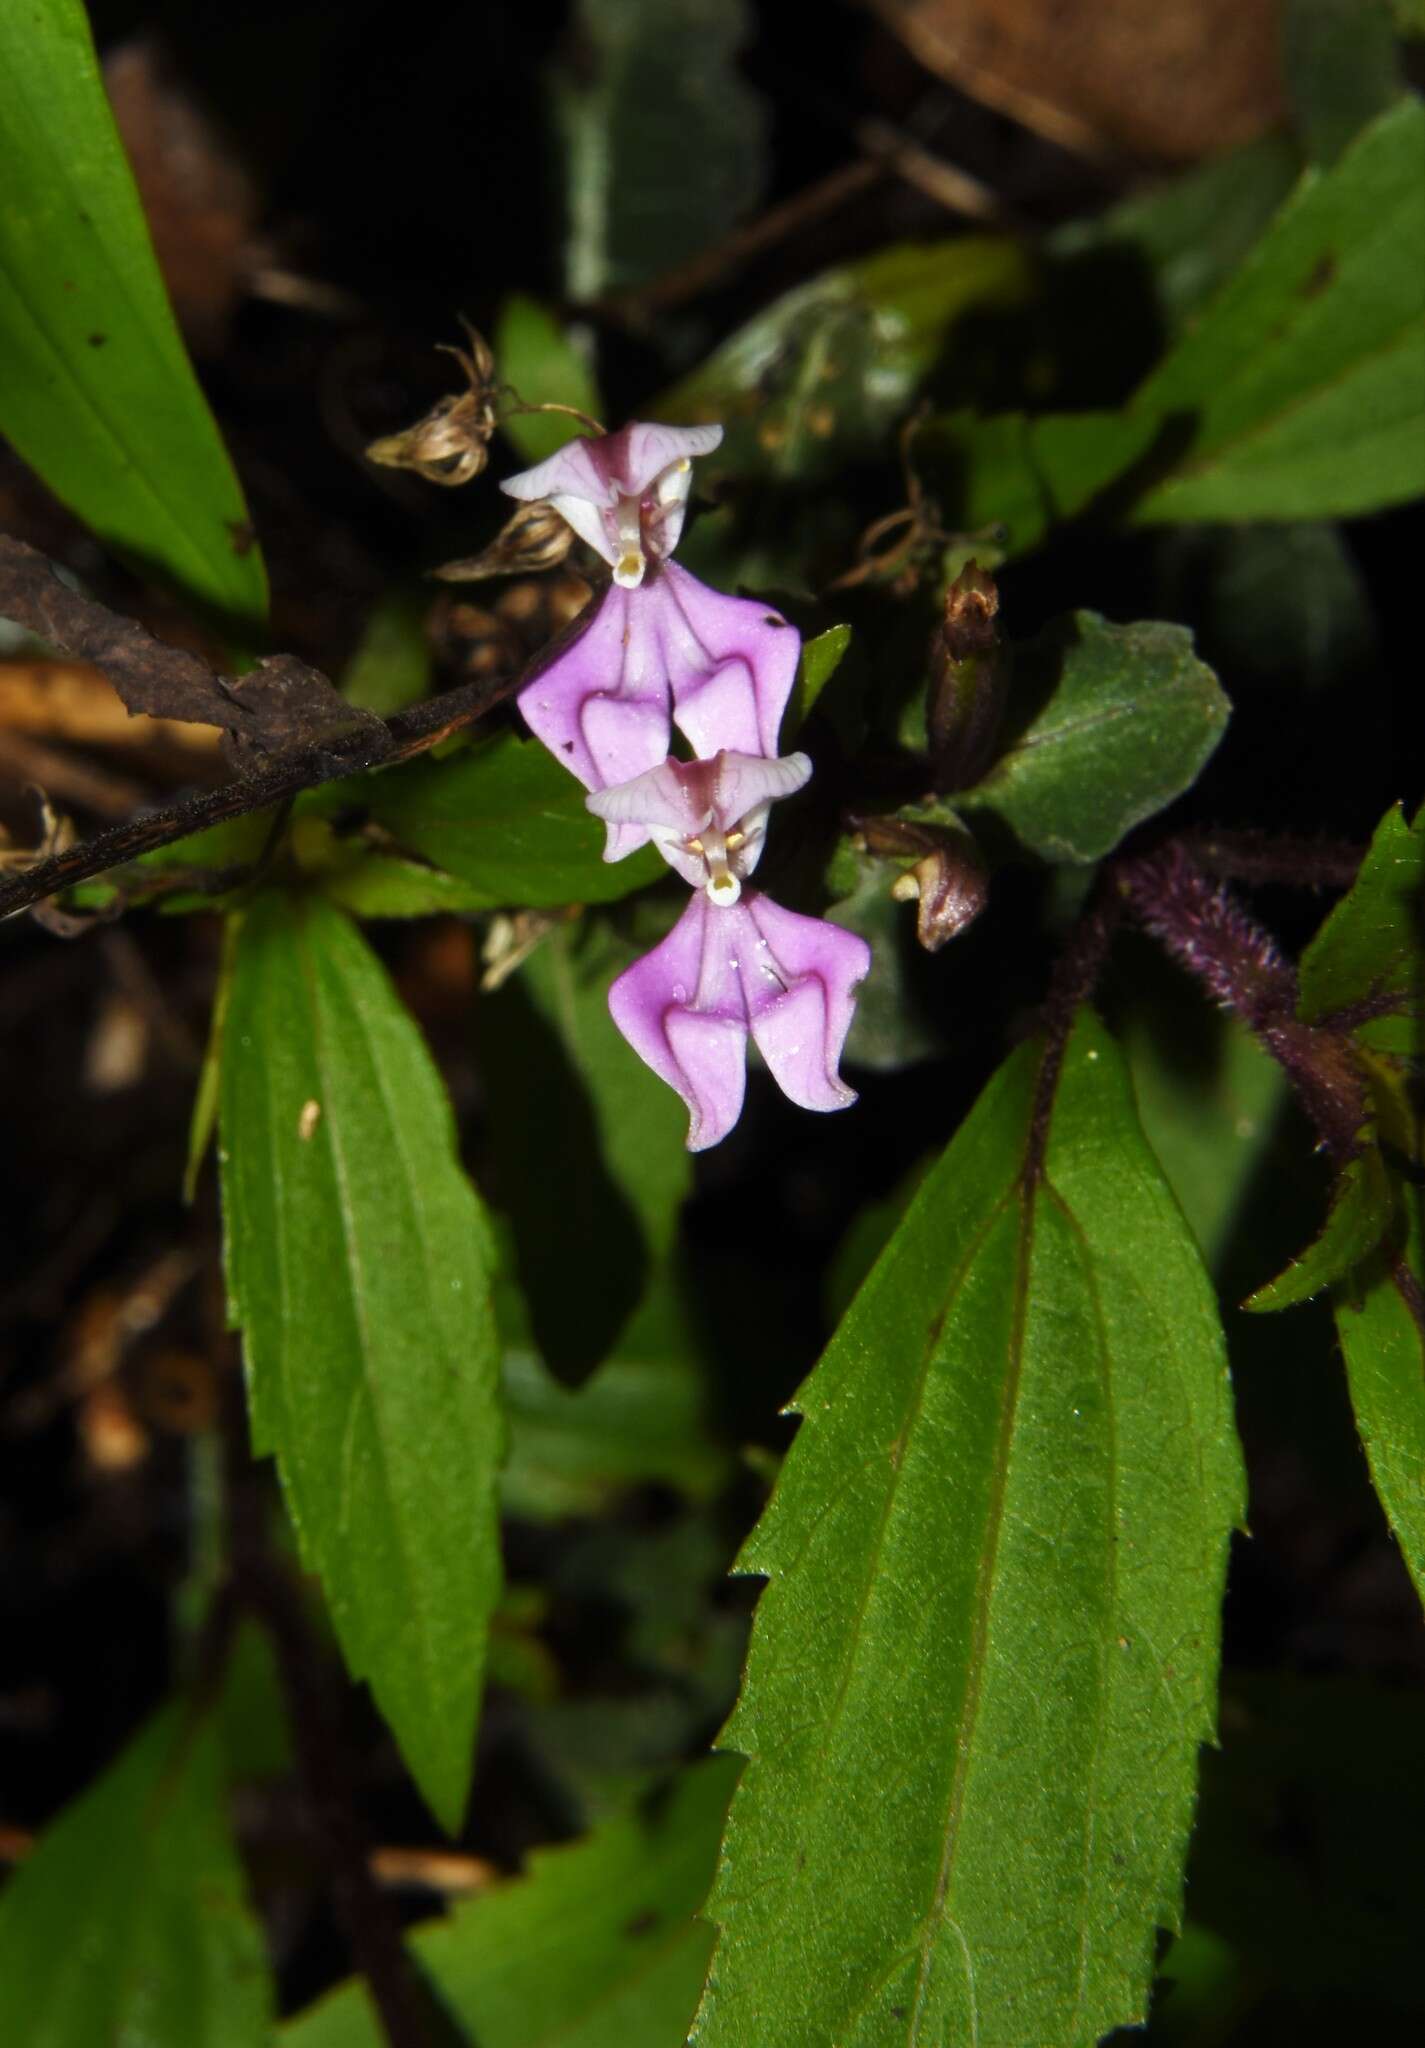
[
  {"x": 948, "y": 882},
  {"x": 536, "y": 538},
  {"x": 968, "y": 675},
  {"x": 451, "y": 444}
]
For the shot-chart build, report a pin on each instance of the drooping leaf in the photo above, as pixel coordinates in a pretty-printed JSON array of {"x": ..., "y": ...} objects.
[
  {"x": 663, "y": 140},
  {"x": 1363, "y": 1212},
  {"x": 503, "y": 816},
  {"x": 642, "y": 1417},
  {"x": 1383, "y": 1338},
  {"x": 986, "y": 1654},
  {"x": 595, "y": 1947},
  {"x": 1301, "y": 389},
  {"x": 96, "y": 389},
  {"x": 129, "y": 1922},
  {"x": 359, "y": 1269},
  {"x": 1371, "y": 949},
  {"x": 588, "y": 1145},
  {"x": 827, "y": 371},
  {"x": 539, "y": 361},
  {"x": 1110, "y": 724}
]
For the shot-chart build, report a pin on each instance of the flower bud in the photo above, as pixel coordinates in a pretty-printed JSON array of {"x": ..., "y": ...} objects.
[
  {"x": 536, "y": 538},
  {"x": 968, "y": 680},
  {"x": 948, "y": 882}
]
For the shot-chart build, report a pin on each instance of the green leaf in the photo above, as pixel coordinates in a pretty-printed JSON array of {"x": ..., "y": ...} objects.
[
  {"x": 824, "y": 374},
  {"x": 536, "y": 357},
  {"x": 820, "y": 659},
  {"x": 1110, "y": 724},
  {"x": 129, "y": 1923},
  {"x": 565, "y": 1086},
  {"x": 503, "y": 816},
  {"x": 596, "y": 1947},
  {"x": 1301, "y": 389},
  {"x": 1371, "y": 949},
  {"x": 368, "y": 879},
  {"x": 1363, "y": 1210},
  {"x": 1383, "y": 1339},
  {"x": 392, "y": 665},
  {"x": 986, "y": 1654},
  {"x": 1189, "y": 235},
  {"x": 359, "y": 1268},
  {"x": 663, "y": 140},
  {"x": 96, "y": 390},
  {"x": 1026, "y": 475},
  {"x": 643, "y": 1417}
]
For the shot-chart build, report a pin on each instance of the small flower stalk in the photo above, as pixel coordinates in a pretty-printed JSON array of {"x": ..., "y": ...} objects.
[{"x": 663, "y": 651}]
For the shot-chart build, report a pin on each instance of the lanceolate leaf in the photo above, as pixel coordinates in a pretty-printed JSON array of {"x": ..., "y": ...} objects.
[
  {"x": 359, "y": 1269},
  {"x": 96, "y": 390},
  {"x": 987, "y": 1652},
  {"x": 596, "y": 1947},
  {"x": 1371, "y": 949},
  {"x": 1383, "y": 1337},
  {"x": 1301, "y": 389},
  {"x": 1115, "y": 721},
  {"x": 128, "y": 1923}
]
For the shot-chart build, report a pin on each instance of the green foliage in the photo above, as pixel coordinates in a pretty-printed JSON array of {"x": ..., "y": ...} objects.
[
  {"x": 588, "y": 1144},
  {"x": 1208, "y": 1097},
  {"x": 1371, "y": 949},
  {"x": 820, "y": 659},
  {"x": 96, "y": 390},
  {"x": 828, "y": 370},
  {"x": 503, "y": 816},
  {"x": 359, "y": 1269},
  {"x": 596, "y": 1947},
  {"x": 1363, "y": 1212},
  {"x": 129, "y": 1923},
  {"x": 534, "y": 355},
  {"x": 986, "y": 1653},
  {"x": 1026, "y": 475},
  {"x": 1383, "y": 1338},
  {"x": 644, "y": 1416},
  {"x": 1301, "y": 388},
  {"x": 662, "y": 140},
  {"x": 391, "y": 667},
  {"x": 1109, "y": 724},
  {"x": 1342, "y": 69}
]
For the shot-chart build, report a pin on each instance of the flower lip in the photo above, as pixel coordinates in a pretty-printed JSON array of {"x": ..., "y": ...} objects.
[{"x": 708, "y": 819}]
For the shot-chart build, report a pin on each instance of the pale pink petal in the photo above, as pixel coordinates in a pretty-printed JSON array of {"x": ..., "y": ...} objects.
[
  {"x": 747, "y": 781},
  {"x": 648, "y": 450}
]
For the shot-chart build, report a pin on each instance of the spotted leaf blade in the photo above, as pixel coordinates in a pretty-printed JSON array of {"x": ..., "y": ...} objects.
[
  {"x": 359, "y": 1269},
  {"x": 987, "y": 1651}
]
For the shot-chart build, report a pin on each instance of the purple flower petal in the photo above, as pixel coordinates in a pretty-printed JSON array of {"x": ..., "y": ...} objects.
[
  {"x": 686, "y": 1008},
  {"x": 691, "y": 807},
  {"x": 731, "y": 664},
  {"x": 699, "y": 1050}
]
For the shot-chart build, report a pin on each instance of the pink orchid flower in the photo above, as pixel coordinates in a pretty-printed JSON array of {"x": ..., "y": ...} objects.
[{"x": 661, "y": 648}]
